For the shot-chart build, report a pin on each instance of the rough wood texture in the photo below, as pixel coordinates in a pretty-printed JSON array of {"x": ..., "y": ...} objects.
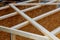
[
  {"x": 58, "y": 35},
  {"x": 22, "y": 38},
  {"x": 10, "y": 10},
  {"x": 9, "y": 22},
  {"x": 6, "y": 11},
  {"x": 5, "y": 36},
  {"x": 51, "y": 22},
  {"x": 40, "y": 10},
  {"x": 21, "y": 7},
  {"x": 30, "y": 28}
]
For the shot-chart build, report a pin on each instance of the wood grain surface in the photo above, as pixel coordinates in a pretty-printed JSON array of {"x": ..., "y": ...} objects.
[
  {"x": 41, "y": 10},
  {"x": 5, "y": 36}
]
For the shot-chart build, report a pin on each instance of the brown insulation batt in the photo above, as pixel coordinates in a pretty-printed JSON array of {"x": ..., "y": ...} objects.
[
  {"x": 11, "y": 10},
  {"x": 58, "y": 35},
  {"x": 9, "y": 22},
  {"x": 51, "y": 22}
]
